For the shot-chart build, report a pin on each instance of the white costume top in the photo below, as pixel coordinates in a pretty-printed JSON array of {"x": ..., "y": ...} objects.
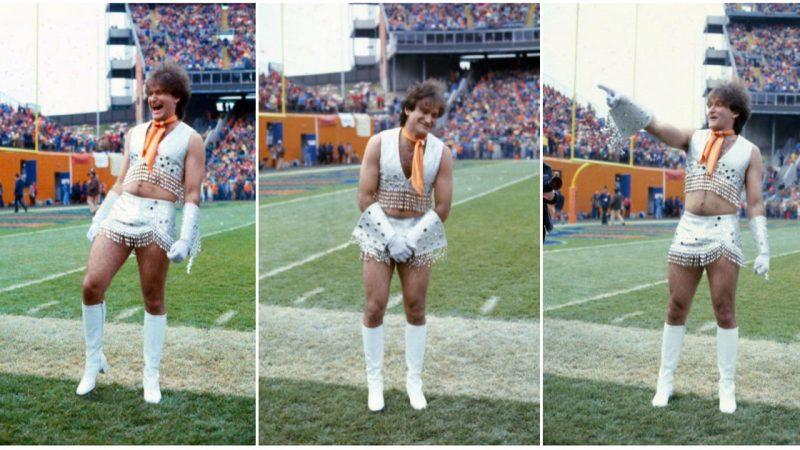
[
  {"x": 168, "y": 169},
  {"x": 394, "y": 189},
  {"x": 728, "y": 178}
]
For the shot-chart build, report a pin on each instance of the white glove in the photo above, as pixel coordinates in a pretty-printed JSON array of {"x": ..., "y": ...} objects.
[
  {"x": 180, "y": 249},
  {"x": 758, "y": 227},
  {"x": 101, "y": 214},
  {"x": 628, "y": 116},
  {"x": 399, "y": 249}
]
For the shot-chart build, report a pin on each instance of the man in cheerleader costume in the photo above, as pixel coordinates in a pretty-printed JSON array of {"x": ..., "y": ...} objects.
[
  {"x": 720, "y": 166},
  {"x": 163, "y": 168},
  {"x": 404, "y": 169}
]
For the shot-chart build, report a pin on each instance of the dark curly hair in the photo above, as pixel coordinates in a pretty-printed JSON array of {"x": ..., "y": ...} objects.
[
  {"x": 172, "y": 78},
  {"x": 735, "y": 96},
  {"x": 430, "y": 93}
]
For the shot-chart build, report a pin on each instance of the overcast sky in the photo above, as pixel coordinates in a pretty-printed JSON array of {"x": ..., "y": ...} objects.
[
  {"x": 323, "y": 47},
  {"x": 72, "y": 56},
  {"x": 669, "y": 77}
]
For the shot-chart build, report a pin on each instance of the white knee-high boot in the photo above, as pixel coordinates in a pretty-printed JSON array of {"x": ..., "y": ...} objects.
[
  {"x": 671, "y": 342},
  {"x": 415, "y": 356},
  {"x": 727, "y": 342},
  {"x": 95, "y": 361},
  {"x": 373, "y": 355},
  {"x": 154, "y": 329}
]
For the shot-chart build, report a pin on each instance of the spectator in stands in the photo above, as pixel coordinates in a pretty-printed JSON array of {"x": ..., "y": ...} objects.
[{"x": 19, "y": 193}]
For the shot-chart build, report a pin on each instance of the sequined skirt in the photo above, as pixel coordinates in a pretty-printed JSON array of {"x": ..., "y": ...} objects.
[
  {"x": 430, "y": 242},
  {"x": 138, "y": 222},
  {"x": 701, "y": 240}
]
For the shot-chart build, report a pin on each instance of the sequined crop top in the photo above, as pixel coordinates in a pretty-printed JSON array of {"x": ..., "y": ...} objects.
[
  {"x": 168, "y": 168},
  {"x": 394, "y": 189},
  {"x": 728, "y": 178}
]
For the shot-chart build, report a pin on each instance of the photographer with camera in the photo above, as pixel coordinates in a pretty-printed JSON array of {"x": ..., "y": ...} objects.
[{"x": 551, "y": 183}]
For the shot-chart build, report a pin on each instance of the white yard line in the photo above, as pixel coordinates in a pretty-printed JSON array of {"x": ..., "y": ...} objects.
[
  {"x": 592, "y": 247},
  {"x": 327, "y": 252},
  {"x": 290, "y": 172},
  {"x": 202, "y": 360},
  {"x": 480, "y": 358},
  {"x": 625, "y": 317},
  {"x": 638, "y": 288},
  {"x": 489, "y": 305},
  {"x": 303, "y": 199},
  {"x": 313, "y": 257},
  {"x": 302, "y": 299},
  {"x": 225, "y": 317},
  {"x": 396, "y": 299},
  {"x": 41, "y": 280},
  {"x": 706, "y": 327},
  {"x": 41, "y": 307},
  {"x": 79, "y": 269},
  {"x": 130, "y": 312}
]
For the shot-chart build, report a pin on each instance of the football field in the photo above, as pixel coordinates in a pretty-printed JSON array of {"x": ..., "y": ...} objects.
[
  {"x": 605, "y": 302},
  {"x": 482, "y": 359},
  {"x": 207, "y": 367}
]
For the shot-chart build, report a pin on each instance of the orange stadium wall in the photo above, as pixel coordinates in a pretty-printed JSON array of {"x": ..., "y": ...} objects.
[
  {"x": 295, "y": 125},
  {"x": 593, "y": 178},
  {"x": 47, "y": 164}
]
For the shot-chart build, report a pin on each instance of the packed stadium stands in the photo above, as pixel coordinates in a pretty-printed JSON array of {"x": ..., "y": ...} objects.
[
  {"x": 766, "y": 56},
  {"x": 230, "y": 162},
  {"x": 498, "y": 117},
  {"x": 360, "y": 98},
  {"x": 765, "y": 8},
  {"x": 595, "y": 139},
  {"x": 190, "y": 34},
  {"x": 459, "y": 16}
]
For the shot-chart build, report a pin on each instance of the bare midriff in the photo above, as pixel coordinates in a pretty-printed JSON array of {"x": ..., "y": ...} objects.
[
  {"x": 402, "y": 213},
  {"x": 707, "y": 203},
  {"x": 149, "y": 190}
]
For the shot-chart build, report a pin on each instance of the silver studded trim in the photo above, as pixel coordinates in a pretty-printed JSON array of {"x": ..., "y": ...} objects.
[
  {"x": 701, "y": 240},
  {"x": 727, "y": 182},
  {"x": 426, "y": 232},
  {"x": 138, "y": 222},
  {"x": 166, "y": 173}
]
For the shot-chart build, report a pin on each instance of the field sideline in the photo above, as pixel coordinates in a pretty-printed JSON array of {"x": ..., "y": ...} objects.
[
  {"x": 209, "y": 389},
  {"x": 483, "y": 339},
  {"x": 604, "y": 309}
]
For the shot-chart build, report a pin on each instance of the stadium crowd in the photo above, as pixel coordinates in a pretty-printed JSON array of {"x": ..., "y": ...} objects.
[
  {"x": 497, "y": 118},
  {"x": 456, "y": 16},
  {"x": 230, "y": 162},
  {"x": 189, "y": 34},
  {"x": 361, "y": 98},
  {"x": 18, "y": 129},
  {"x": 765, "y": 8},
  {"x": 594, "y": 138},
  {"x": 766, "y": 56}
]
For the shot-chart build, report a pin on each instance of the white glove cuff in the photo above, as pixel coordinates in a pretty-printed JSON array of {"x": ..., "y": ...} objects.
[
  {"x": 758, "y": 226},
  {"x": 190, "y": 231},
  {"x": 105, "y": 208},
  {"x": 629, "y": 116},
  {"x": 375, "y": 224}
]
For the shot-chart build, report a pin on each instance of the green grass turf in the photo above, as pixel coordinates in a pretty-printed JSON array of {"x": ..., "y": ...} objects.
[
  {"x": 492, "y": 251},
  {"x": 596, "y": 413},
  {"x": 222, "y": 279},
  {"x": 222, "y": 276},
  {"x": 763, "y": 309},
  {"x": 302, "y": 412},
  {"x": 40, "y": 411}
]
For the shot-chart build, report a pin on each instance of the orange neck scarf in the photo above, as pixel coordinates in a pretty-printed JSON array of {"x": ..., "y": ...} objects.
[
  {"x": 154, "y": 137},
  {"x": 713, "y": 148},
  {"x": 417, "y": 168}
]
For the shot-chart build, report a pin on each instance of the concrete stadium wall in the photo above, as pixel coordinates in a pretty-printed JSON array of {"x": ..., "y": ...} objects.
[
  {"x": 595, "y": 176},
  {"x": 295, "y": 125},
  {"x": 47, "y": 164}
]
